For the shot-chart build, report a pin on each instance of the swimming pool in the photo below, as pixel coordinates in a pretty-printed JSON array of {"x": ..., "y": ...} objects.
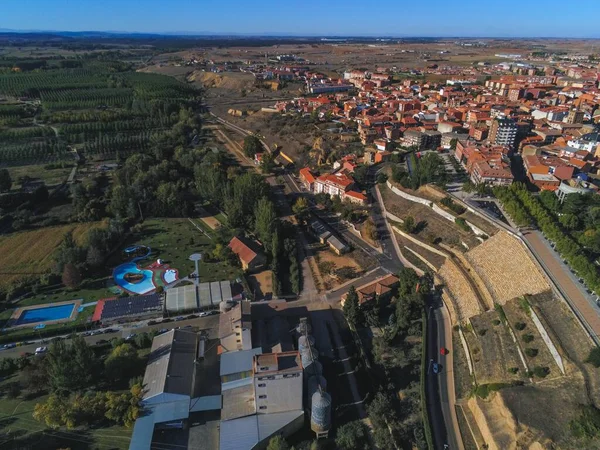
[
  {"x": 45, "y": 314},
  {"x": 141, "y": 287}
]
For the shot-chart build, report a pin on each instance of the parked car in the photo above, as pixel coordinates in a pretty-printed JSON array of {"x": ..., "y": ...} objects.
[
  {"x": 177, "y": 319},
  {"x": 102, "y": 342},
  {"x": 130, "y": 336},
  {"x": 41, "y": 350},
  {"x": 444, "y": 351},
  {"x": 192, "y": 316},
  {"x": 109, "y": 330},
  {"x": 436, "y": 368},
  {"x": 167, "y": 320},
  {"x": 162, "y": 330}
]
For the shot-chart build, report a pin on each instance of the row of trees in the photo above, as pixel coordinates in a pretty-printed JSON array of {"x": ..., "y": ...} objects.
[{"x": 558, "y": 230}]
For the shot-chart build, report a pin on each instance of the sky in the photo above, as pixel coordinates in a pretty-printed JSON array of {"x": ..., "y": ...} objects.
[{"x": 462, "y": 18}]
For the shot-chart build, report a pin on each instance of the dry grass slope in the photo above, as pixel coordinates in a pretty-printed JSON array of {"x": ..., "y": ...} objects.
[
  {"x": 506, "y": 268},
  {"x": 465, "y": 300}
]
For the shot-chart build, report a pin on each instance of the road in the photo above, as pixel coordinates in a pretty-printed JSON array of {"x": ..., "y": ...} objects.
[
  {"x": 440, "y": 387},
  {"x": 210, "y": 324},
  {"x": 567, "y": 282}
]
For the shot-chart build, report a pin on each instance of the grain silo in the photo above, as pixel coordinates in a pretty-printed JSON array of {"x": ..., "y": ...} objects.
[{"x": 320, "y": 416}]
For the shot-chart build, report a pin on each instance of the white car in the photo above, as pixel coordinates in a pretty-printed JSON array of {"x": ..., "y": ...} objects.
[{"x": 41, "y": 350}]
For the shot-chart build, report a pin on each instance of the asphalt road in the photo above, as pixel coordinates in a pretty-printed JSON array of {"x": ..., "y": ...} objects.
[
  {"x": 572, "y": 289},
  {"x": 209, "y": 324}
]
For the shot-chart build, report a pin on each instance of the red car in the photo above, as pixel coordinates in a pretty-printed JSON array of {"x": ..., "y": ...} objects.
[{"x": 444, "y": 351}]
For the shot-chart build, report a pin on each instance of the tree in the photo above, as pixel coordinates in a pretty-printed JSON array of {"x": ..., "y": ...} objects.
[
  {"x": 409, "y": 224},
  {"x": 277, "y": 443},
  {"x": 70, "y": 368},
  {"x": 352, "y": 308},
  {"x": 5, "y": 180},
  {"x": 122, "y": 363},
  {"x": 352, "y": 436},
  {"x": 71, "y": 276},
  {"x": 371, "y": 230},
  {"x": 300, "y": 206},
  {"x": 252, "y": 145},
  {"x": 265, "y": 221}
]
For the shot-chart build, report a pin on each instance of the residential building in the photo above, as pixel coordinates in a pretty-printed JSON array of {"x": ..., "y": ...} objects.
[
  {"x": 307, "y": 179},
  {"x": 574, "y": 186},
  {"x": 503, "y": 132},
  {"x": 575, "y": 116},
  {"x": 249, "y": 252},
  {"x": 381, "y": 287}
]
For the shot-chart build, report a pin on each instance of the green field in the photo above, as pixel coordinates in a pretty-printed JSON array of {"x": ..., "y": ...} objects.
[
  {"x": 174, "y": 240},
  {"x": 50, "y": 177}
]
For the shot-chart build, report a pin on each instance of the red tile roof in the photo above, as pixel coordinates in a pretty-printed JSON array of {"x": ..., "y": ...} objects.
[{"x": 245, "y": 253}]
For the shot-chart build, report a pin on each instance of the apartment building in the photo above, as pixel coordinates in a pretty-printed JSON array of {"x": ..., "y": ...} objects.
[{"x": 503, "y": 132}]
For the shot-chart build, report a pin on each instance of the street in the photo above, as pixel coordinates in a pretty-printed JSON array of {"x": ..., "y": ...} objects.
[
  {"x": 440, "y": 387},
  {"x": 209, "y": 324}
]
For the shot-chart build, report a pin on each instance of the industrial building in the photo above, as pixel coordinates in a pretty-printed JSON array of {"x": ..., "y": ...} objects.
[
  {"x": 196, "y": 297},
  {"x": 176, "y": 385}
]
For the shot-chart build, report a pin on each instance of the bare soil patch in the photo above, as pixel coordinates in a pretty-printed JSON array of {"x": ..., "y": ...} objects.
[{"x": 262, "y": 284}]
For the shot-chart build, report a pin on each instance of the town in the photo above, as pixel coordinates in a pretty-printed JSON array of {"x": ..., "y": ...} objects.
[{"x": 274, "y": 243}]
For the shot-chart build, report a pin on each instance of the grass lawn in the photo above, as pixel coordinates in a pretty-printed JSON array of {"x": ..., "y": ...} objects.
[
  {"x": 16, "y": 416},
  {"x": 174, "y": 240},
  {"x": 51, "y": 177}
]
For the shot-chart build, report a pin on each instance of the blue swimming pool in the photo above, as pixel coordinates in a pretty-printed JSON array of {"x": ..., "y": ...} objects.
[
  {"x": 45, "y": 314},
  {"x": 141, "y": 287}
]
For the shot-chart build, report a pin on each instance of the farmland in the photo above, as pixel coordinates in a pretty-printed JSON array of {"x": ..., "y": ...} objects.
[
  {"x": 31, "y": 252},
  {"x": 100, "y": 109}
]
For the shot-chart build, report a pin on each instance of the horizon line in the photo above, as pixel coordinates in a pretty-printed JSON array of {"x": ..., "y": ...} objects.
[{"x": 287, "y": 35}]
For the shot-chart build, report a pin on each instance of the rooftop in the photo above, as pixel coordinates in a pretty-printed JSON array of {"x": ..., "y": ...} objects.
[{"x": 170, "y": 366}]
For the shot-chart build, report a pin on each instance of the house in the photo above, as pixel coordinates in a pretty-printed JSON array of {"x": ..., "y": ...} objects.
[
  {"x": 249, "y": 253},
  {"x": 382, "y": 287},
  {"x": 307, "y": 179}
]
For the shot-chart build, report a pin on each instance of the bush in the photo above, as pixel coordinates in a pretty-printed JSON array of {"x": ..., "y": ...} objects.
[
  {"x": 531, "y": 352},
  {"x": 594, "y": 357},
  {"x": 513, "y": 370},
  {"x": 462, "y": 223},
  {"x": 496, "y": 322},
  {"x": 450, "y": 204},
  {"x": 520, "y": 326},
  {"x": 541, "y": 372},
  {"x": 482, "y": 332},
  {"x": 527, "y": 338}
]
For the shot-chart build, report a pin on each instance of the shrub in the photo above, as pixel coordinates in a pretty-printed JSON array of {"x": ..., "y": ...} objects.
[
  {"x": 513, "y": 370},
  {"x": 541, "y": 372},
  {"x": 496, "y": 322},
  {"x": 594, "y": 357},
  {"x": 500, "y": 312},
  {"x": 531, "y": 352},
  {"x": 527, "y": 338},
  {"x": 520, "y": 326},
  {"x": 462, "y": 223},
  {"x": 482, "y": 332}
]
